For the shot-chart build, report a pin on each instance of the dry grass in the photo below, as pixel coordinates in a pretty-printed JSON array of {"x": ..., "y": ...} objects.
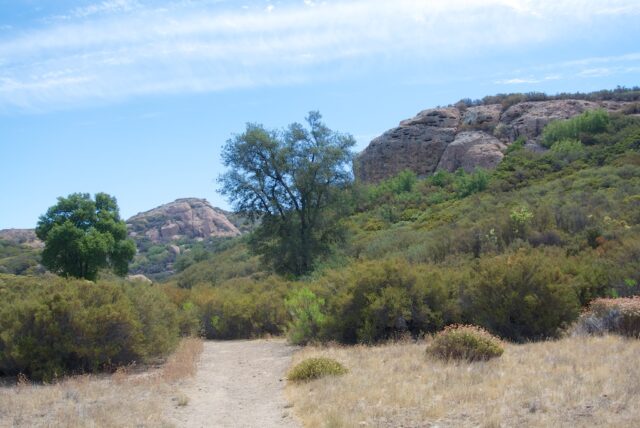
[
  {"x": 184, "y": 362},
  {"x": 126, "y": 398},
  {"x": 578, "y": 381}
]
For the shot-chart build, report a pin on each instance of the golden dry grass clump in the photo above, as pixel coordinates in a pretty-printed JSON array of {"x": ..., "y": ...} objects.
[
  {"x": 126, "y": 398},
  {"x": 465, "y": 342},
  {"x": 315, "y": 368},
  {"x": 574, "y": 382}
]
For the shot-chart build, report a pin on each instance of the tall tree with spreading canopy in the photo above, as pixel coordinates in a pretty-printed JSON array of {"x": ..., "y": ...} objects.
[
  {"x": 83, "y": 235},
  {"x": 290, "y": 180}
]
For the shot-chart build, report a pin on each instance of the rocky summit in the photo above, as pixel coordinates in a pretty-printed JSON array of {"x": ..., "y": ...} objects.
[
  {"x": 464, "y": 137},
  {"x": 190, "y": 218}
]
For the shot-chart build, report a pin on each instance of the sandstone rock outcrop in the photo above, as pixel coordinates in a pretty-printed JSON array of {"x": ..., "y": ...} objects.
[
  {"x": 184, "y": 218},
  {"x": 471, "y": 150},
  {"x": 467, "y": 137},
  {"x": 415, "y": 147},
  {"x": 528, "y": 119}
]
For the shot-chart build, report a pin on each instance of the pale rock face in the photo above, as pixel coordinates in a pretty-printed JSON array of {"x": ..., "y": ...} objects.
[
  {"x": 139, "y": 278},
  {"x": 528, "y": 119},
  {"x": 482, "y": 116},
  {"x": 191, "y": 218},
  {"x": 471, "y": 150},
  {"x": 414, "y": 147},
  {"x": 438, "y": 117}
]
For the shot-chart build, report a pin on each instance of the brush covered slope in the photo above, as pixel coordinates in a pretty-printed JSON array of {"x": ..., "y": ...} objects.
[{"x": 517, "y": 250}]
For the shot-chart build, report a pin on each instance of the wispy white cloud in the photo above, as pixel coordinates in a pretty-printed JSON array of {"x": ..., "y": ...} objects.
[
  {"x": 106, "y": 6},
  {"x": 591, "y": 67},
  {"x": 116, "y": 49},
  {"x": 522, "y": 80}
]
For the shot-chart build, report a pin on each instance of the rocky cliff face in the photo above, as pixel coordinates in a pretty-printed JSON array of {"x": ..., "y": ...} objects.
[
  {"x": 451, "y": 138},
  {"x": 184, "y": 218}
]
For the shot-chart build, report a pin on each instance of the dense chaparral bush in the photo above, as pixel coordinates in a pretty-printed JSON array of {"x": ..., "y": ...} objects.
[{"x": 53, "y": 326}]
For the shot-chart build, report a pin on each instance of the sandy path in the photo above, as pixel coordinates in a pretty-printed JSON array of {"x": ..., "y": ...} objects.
[{"x": 239, "y": 384}]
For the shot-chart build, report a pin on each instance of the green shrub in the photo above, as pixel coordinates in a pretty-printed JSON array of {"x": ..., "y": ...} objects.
[
  {"x": 520, "y": 219},
  {"x": 315, "y": 368},
  {"x": 465, "y": 342},
  {"x": 588, "y": 123},
  {"x": 516, "y": 146},
  {"x": 52, "y": 326},
  {"x": 525, "y": 296},
  {"x": 374, "y": 301},
  {"x": 568, "y": 150},
  {"x": 158, "y": 318},
  {"x": 466, "y": 184},
  {"x": 239, "y": 308},
  {"x": 305, "y": 309}
]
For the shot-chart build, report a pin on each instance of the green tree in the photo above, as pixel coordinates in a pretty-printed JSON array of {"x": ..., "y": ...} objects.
[
  {"x": 83, "y": 235},
  {"x": 291, "y": 181}
]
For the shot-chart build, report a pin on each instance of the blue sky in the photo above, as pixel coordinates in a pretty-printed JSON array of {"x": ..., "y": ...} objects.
[{"x": 136, "y": 98}]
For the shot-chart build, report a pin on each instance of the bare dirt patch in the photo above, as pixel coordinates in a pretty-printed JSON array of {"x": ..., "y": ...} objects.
[
  {"x": 204, "y": 384},
  {"x": 238, "y": 384}
]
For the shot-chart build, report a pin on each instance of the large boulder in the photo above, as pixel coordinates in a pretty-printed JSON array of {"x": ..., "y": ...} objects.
[
  {"x": 481, "y": 117},
  {"x": 471, "y": 150},
  {"x": 417, "y": 148},
  {"x": 416, "y": 144}
]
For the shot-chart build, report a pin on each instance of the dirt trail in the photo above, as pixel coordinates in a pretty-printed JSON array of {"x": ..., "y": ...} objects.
[{"x": 238, "y": 384}]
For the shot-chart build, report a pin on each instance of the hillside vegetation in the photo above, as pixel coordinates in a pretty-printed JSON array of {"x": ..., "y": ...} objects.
[{"x": 518, "y": 250}]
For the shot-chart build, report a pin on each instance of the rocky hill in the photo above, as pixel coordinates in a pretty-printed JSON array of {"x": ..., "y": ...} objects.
[
  {"x": 25, "y": 237},
  {"x": 162, "y": 236},
  {"x": 189, "y": 218},
  {"x": 465, "y": 137}
]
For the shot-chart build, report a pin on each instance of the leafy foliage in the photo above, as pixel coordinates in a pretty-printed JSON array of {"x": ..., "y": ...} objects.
[
  {"x": 82, "y": 236},
  {"x": 290, "y": 181},
  {"x": 305, "y": 309},
  {"x": 581, "y": 127},
  {"x": 520, "y": 297},
  {"x": 237, "y": 308},
  {"x": 369, "y": 302},
  {"x": 54, "y": 326}
]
